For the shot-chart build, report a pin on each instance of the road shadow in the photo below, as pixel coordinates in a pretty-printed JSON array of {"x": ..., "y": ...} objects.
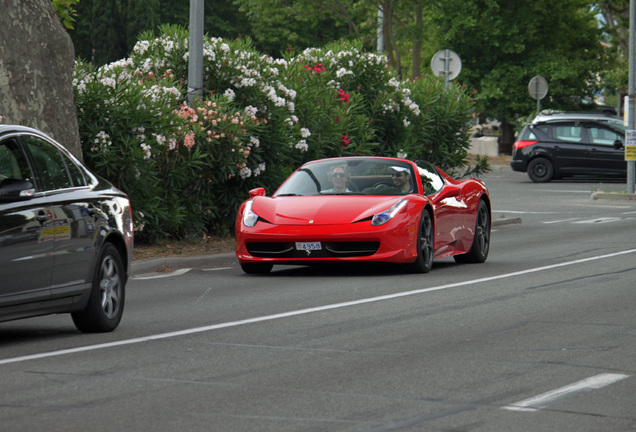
[{"x": 348, "y": 270}]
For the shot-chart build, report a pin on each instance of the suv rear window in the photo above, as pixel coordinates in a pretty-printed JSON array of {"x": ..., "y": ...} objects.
[{"x": 568, "y": 133}]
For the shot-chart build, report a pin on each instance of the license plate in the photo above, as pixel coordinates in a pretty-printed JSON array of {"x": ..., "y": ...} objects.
[{"x": 308, "y": 246}]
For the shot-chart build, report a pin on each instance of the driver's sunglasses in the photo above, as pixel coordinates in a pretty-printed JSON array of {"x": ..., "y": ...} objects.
[
  {"x": 397, "y": 174},
  {"x": 341, "y": 175}
]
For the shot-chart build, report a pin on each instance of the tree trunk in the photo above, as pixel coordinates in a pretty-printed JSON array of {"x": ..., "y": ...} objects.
[
  {"x": 506, "y": 138},
  {"x": 387, "y": 30},
  {"x": 417, "y": 45},
  {"x": 36, "y": 68}
]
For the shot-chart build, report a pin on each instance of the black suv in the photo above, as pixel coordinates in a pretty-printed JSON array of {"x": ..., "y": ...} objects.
[{"x": 556, "y": 149}]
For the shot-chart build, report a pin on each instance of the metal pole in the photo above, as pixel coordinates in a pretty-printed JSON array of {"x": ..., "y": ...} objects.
[
  {"x": 195, "y": 58},
  {"x": 380, "y": 29},
  {"x": 631, "y": 102},
  {"x": 447, "y": 60},
  {"x": 536, "y": 91}
]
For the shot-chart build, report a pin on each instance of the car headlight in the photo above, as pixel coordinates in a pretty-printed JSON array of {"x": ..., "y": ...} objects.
[
  {"x": 385, "y": 216},
  {"x": 249, "y": 217}
]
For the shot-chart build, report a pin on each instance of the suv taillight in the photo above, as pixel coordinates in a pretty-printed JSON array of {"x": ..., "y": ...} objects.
[{"x": 522, "y": 143}]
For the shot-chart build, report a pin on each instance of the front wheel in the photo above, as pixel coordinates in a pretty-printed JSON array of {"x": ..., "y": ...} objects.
[
  {"x": 425, "y": 244},
  {"x": 481, "y": 241},
  {"x": 540, "y": 170},
  {"x": 106, "y": 302}
]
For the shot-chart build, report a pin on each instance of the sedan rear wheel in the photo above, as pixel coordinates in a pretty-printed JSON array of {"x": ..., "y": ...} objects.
[
  {"x": 425, "y": 244},
  {"x": 540, "y": 170},
  {"x": 106, "y": 302},
  {"x": 481, "y": 241}
]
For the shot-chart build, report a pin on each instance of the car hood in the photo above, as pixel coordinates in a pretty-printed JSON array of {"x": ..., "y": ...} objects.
[{"x": 320, "y": 210}]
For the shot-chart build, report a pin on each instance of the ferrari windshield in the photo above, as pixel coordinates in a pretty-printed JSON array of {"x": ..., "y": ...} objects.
[{"x": 351, "y": 176}]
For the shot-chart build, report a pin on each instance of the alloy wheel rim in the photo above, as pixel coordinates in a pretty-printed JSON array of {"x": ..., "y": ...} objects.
[{"x": 110, "y": 288}]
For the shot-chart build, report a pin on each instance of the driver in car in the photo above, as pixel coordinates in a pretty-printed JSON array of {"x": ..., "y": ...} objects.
[{"x": 339, "y": 176}]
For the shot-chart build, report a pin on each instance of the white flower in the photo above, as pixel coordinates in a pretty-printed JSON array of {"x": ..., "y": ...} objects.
[
  {"x": 406, "y": 123},
  {"x": 229, "y": 94},
  {"x": 102, "y": 142},
  {"x": 146, "y": 148},
  {"x": 250, "y": 110},
  {"x": 304, "y": 132},
  {"x": 260, "y": 169},
  {"x": 401, "y": 154},
  {"x": 255, "y": 141},
  {"x": 302, "y": 146},
  {"x": 109, "y": 82},
  {"x": 245, "y": 172},
  {"x": 342, "y": 72},
  {"x": 141, "y": 47}
]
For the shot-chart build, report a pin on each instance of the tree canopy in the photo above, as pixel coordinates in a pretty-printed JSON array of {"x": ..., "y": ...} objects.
[{"x": 502, "y": 43}]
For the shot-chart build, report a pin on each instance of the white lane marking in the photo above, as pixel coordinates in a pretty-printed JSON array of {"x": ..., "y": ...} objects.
[
  {"x": 177, "y": 272},
  {"x": 562, "y": 220},
  {"x": 601, "y": 220},
  {"x": 521, "y": 212},
  {"x": 563, "y": 191},
  {"x": 217, "y": 268},
  {"x": 305, "y": 311},
  {"x": 540, "y": 401}
]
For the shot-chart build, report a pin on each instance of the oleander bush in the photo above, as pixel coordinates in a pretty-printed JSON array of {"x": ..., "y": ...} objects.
[{"x": 187, "y": 168}]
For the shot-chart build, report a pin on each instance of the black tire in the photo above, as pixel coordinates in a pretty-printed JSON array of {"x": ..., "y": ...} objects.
[
  {"x": 425, "y": 244},
  {"x": 108, "y": 293},
  {"x": 481, "y": 241},
  {"x": 257, "y": 268},
  {"x": 540, "y": 170}
]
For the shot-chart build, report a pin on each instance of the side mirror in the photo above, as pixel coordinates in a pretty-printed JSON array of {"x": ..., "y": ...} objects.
[
  {"x": 257, "y": 192},
  {"x": 618, "y": 144},
  {"x": 16, "y": 190},
  {"x": 449, "y": 191}
]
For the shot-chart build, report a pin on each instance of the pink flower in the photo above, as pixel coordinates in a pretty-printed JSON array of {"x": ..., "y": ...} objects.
[
  {"x": 344, "y": 97},
  {"x": 189, "y": 140},
  {"x": 318, "y": 67},
  {"x": 345, "y": 141}
]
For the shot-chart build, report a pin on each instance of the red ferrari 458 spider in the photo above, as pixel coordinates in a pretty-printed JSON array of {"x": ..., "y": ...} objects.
[{"x": 365, "y": 209}]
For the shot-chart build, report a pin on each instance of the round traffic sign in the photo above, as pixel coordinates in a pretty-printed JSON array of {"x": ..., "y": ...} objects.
[
  {"x": 538, "y": 87},
  {"x": 446, "y": 63}
]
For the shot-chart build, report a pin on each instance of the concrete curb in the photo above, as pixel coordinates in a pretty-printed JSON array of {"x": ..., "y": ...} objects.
[
  {"x": 500, "y": 168},
  {"x": 615, "y": 196},
  {"x": 152, "y": 265}
]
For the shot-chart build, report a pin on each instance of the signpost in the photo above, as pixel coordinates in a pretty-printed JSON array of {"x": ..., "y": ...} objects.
[
  {"x": 446, "y": 63},
  {"x": 630, "y": 145},
  {"x": 538, "y": 88},
  {"x": 631, "y": 118},
  {"x": 195, "y": 57}
]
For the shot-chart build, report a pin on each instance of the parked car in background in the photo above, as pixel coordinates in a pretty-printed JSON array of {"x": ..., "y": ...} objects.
[
  {"x": 554, "y": 149},
  {"x": 602, "y": 117},
  {"x": 66, "y": 236},
  {"x": 365, "y": 209}
]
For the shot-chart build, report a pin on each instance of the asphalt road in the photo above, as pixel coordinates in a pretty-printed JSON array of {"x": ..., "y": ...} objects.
[{"x": 541, "y": 337}]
